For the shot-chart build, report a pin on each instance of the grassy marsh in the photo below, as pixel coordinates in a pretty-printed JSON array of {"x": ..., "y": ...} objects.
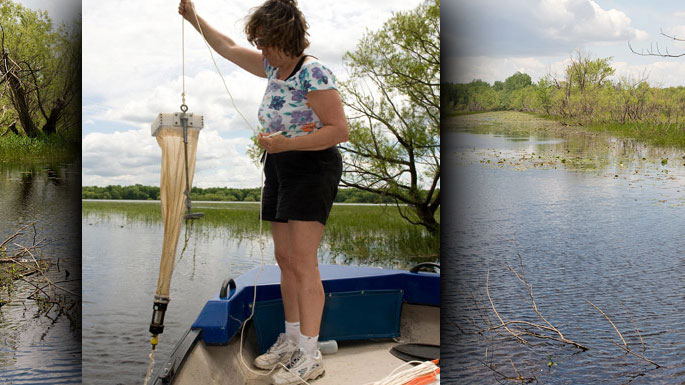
[
  {"x": 16, "y": 148},
  {"x": 369, "y": 234}
]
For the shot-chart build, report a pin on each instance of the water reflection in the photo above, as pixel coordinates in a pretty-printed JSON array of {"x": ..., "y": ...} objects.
[{"x": 36, "y": 347}]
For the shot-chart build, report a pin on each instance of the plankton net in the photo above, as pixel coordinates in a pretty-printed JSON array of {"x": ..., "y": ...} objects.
[{"x": 177, "y": 135}]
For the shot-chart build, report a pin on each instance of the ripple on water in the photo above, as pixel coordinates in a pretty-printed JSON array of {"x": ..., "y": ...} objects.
[
  {"x": 35, "y": 349},
  {"x": 581, "y": 235}
]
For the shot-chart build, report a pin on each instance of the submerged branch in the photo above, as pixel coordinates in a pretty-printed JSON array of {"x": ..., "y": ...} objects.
[{"x": 22, "y": 261}]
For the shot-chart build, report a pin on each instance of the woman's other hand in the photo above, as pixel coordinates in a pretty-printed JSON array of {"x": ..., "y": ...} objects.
[{"x": 272, "y": 144}]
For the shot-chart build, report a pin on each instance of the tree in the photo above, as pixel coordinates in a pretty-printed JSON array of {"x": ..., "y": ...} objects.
[
  {"x": 394, "y": 94},
  {"x": 656, "y": 51},
  {"x": 517, "y": 81},
  {"x": 40, "y": 72},
  {"x": 543, "y": 93}
]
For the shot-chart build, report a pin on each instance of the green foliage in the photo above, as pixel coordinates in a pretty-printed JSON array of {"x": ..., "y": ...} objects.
[
  {"x": 41, "y": 74},
  {"x": 585, "y": 96},
  {"x": 394, "y": 94},
  {"x": 223, "y": 194},
  {"x": 23, "y": 149},
  {"x": 517, "y": 81}
]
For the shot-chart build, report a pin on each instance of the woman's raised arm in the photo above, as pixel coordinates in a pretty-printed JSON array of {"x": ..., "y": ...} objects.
[{"x": 248, "y": 59}]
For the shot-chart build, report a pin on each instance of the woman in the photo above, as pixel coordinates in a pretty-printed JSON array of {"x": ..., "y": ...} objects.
[{"x": 302, "y": 171}]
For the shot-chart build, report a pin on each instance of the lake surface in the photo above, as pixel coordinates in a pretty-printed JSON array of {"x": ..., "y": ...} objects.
[
  {"x": 593, "y": 217},
  {"x": 35, "y": 348},
  {"x": 121, "y": 252}
]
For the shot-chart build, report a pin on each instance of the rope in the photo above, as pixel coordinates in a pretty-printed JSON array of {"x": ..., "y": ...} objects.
[
  {"x": 183, "y": 61},
  {"x": 149, "y": 368},
  {"x": 401, "y": 377},
  {"x": 211, "y": 54}
]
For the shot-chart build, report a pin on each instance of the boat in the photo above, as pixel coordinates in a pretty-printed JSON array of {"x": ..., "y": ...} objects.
[{"x": 378, "y": 318}]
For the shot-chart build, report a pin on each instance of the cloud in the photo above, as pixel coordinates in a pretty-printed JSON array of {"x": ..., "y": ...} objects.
[
  {"x": 128, "y": 157},
  {"x": 584, "y": 21},
  {"x": 527, "y": 28},
  {"x": 491, "y": 69},
  {"x": 663, "y": 73}
]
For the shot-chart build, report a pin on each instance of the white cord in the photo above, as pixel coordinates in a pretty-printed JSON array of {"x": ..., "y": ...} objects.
[
  {"x": 183, "y": 61},
  {"x": 397, "y": 377},
  {"x": 211, "y": 54}
]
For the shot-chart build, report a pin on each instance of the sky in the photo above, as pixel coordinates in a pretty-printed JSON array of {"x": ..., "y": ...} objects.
[
  {"x": 132, "y": 71},
  {"x": 492, "y": 39}
]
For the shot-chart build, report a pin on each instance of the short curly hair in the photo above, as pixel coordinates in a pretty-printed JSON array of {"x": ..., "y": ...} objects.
[{"x": 280, "y": 24}]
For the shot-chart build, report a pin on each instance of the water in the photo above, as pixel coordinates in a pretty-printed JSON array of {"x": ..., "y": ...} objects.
[
  {"x": 606, "y": 225},
  {"x": 121, "y": 263},
  {"x": 35, "y": 348}
]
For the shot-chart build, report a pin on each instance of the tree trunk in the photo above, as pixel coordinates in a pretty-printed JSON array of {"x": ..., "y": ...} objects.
[
  {"x": 50, "y": 126},
  {"x": 21, "y": 106},
  {"x": 427, "y": 219}
]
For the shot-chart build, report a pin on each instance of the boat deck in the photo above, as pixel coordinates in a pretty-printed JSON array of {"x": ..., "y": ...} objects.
[{"x": 356, "y": 362}]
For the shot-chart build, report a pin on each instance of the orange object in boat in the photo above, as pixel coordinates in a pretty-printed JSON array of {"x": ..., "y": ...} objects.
[{"x": 425, "y": 379}]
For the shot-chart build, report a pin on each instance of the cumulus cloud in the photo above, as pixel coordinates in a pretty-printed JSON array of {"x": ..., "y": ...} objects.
[
  {"x": 583, "y": 21},
  {"x": 662, "y": 73},
  {"x": 491, "y": 69},
  {"x": 128, "y": 157},
  {"x": 526, "y": 28}
]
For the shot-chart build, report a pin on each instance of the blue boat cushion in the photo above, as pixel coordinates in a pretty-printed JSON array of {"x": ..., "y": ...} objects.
[{"x": 351, "y": 315}]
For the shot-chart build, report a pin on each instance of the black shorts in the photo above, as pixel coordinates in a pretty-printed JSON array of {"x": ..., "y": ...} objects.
[{"x": 301, "y": 185}]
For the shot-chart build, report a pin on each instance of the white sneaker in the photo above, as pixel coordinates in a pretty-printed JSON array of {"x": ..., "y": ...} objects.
[
  {"x": 301, "y": 367},
  {"x": 278, "y": 353}
]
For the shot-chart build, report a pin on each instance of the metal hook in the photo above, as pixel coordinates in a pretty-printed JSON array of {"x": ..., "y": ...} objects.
[{"x": 184, "y": 108}]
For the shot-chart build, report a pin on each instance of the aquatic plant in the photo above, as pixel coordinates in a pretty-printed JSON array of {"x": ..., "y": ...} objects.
[{"x": 368, "y": 234}]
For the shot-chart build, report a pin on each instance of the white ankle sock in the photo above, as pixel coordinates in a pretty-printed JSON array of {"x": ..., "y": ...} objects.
[
  {"x": 309, "y": 344},
  {"x": 292, "y": 331}
]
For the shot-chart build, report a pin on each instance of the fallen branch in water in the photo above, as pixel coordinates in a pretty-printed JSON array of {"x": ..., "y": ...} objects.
[
  {"x": 485, "y": 319},
  {"x": 545, "y": 330},
  {"x": 625, "y": 346},
  {"x": 21, "y": 260}
]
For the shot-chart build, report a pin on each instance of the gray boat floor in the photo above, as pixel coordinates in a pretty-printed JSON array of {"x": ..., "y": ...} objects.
[{"x": 356, "y": 362}]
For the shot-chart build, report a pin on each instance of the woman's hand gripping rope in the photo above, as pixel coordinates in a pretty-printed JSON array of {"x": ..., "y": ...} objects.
[{"x": 273, "y": 143}]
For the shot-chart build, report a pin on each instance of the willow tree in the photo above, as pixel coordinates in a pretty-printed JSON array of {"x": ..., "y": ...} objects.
[
  {"x": 394, "y": 98},
  {"x": 40, "y": 72}
]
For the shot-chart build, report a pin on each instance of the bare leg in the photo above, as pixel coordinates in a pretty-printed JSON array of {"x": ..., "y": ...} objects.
[
  {"x": 279, "y": 232},
  {"x": 304, "y": 238}
]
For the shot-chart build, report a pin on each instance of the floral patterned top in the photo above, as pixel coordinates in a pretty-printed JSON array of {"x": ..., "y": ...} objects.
[{"x": 284, "y": 106}]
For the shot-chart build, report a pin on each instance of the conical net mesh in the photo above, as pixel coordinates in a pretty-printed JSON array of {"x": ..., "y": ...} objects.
[{"x": 172, "y": 186}]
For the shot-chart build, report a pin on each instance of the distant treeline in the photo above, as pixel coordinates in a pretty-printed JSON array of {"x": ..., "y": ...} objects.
[
  {"x": 584, "y": 95},
  {"x": 140, "y": 192}
]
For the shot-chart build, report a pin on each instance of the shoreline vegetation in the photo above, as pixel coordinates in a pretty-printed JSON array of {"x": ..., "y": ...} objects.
[
  {"x": 23, "y": 149},
  {"x": 217, "y": 194},
  {"x": 359, "y": 234},
  {"x": 585, "y": 97}
]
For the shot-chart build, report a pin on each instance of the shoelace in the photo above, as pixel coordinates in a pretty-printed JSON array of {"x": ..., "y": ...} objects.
[
  {"x": 278, "y": 344},
  {"x": 295, "y": 359}
]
